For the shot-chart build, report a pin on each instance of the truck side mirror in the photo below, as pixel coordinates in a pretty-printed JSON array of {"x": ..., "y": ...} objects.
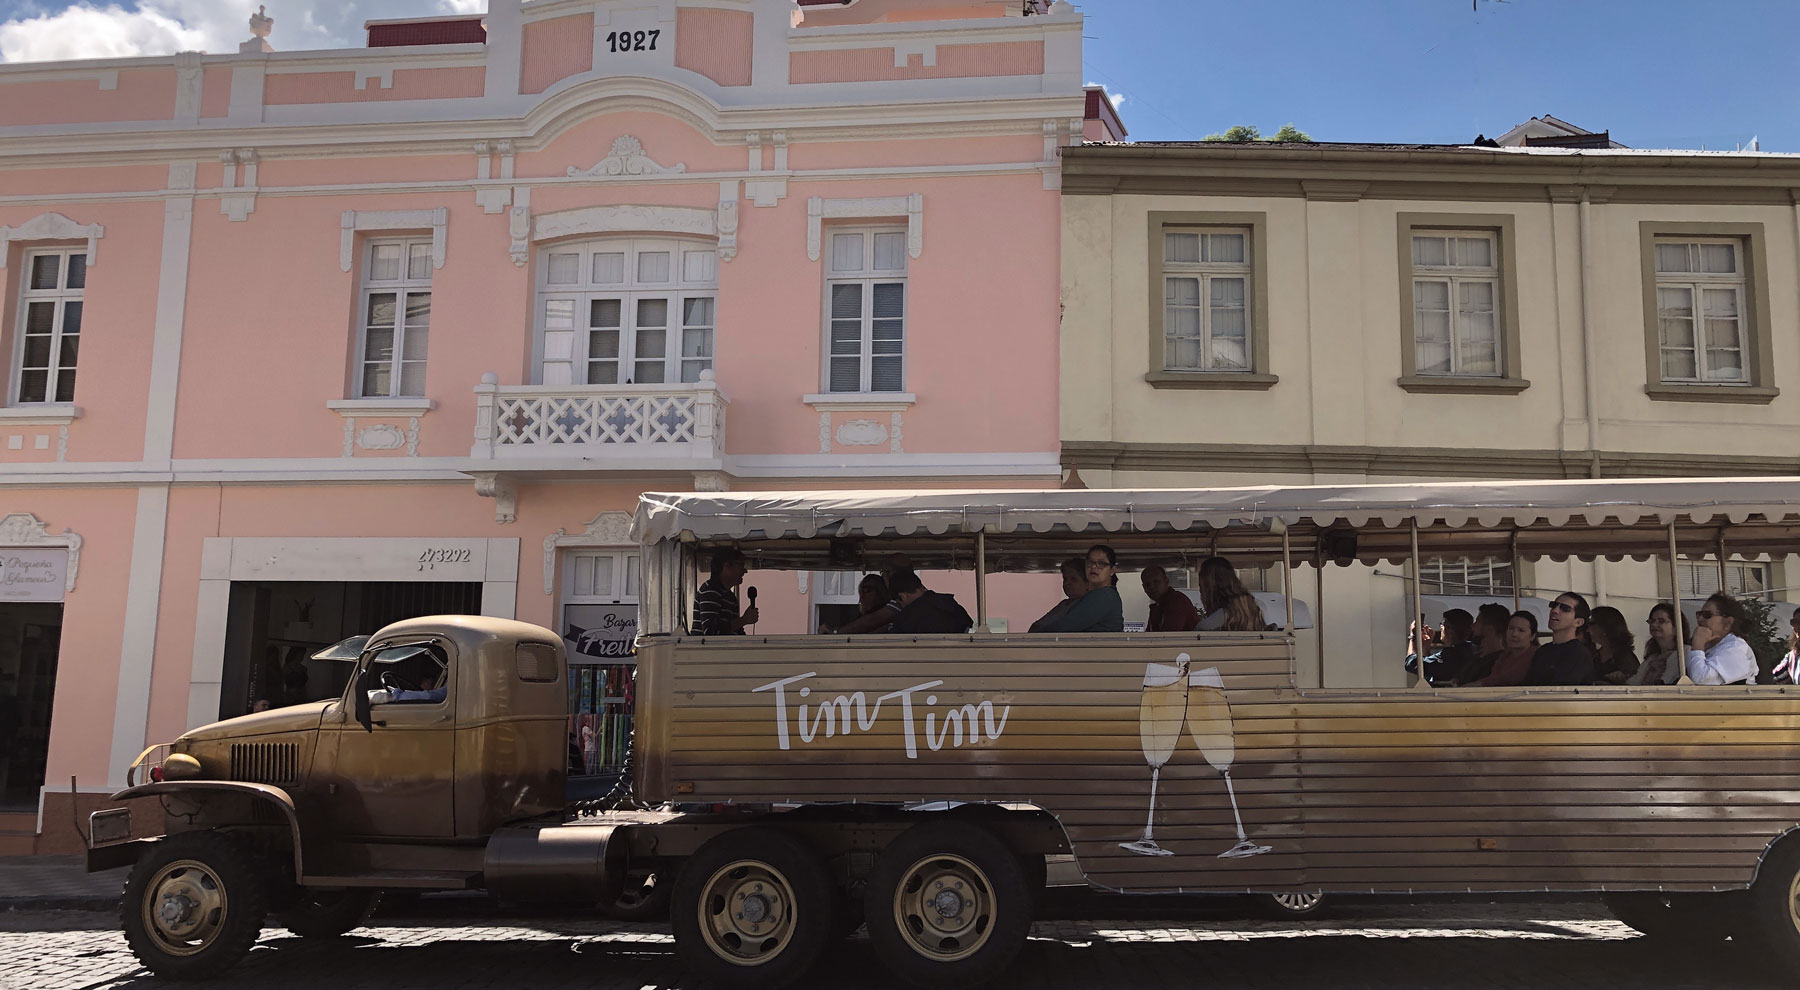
[{"x": 361, "y": 694}]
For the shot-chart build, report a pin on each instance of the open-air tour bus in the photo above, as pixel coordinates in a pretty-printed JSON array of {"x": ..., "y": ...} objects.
[{"x": 1197, "y": 761}]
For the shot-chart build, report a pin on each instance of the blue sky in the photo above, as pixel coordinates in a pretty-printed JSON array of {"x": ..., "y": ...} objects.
[{"x": 1657, "y": 73}]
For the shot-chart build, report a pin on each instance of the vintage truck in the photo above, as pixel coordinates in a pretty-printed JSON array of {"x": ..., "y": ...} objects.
[
  {"x": 923, "y": 783},
  {"x": 442, "y": 768}
]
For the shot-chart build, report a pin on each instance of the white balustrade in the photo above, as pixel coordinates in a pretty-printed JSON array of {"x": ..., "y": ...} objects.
[{"x": 683, "y": 421}]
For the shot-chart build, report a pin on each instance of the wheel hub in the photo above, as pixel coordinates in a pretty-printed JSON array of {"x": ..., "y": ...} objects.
[
  {"x": 944, "y": 907},
  {"x": 175, "y": 909},
  {"x": 746, "y": 915},
  {"x": 185, "y": 907}
]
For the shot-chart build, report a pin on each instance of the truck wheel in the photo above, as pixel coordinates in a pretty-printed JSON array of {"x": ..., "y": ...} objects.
[
  {"x": 752, "y": 908},
  {"x": 948, "y": 905},
  {"x": 320, "y": 913},
  {"x": 193, "y": 906},
  {"x": 1774, "y": 909},
  {"x": 645, "y": 897}
]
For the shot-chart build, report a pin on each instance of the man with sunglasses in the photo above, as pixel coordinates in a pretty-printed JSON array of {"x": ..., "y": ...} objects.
[{"x": 1565, "y": 659}]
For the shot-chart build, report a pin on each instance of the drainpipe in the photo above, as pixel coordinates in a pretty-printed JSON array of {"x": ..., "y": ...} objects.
[{"x": 1591, "y": 408}]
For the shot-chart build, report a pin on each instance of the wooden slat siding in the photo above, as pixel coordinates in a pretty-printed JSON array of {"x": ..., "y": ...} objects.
[{"x": 1609, "y": 787}]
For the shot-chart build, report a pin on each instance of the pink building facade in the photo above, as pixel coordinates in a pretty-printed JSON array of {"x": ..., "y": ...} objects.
[{"x": 301, "y": 342}]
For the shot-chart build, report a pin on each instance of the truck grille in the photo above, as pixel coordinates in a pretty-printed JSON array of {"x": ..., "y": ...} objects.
[{"x": 265, "y": 763}]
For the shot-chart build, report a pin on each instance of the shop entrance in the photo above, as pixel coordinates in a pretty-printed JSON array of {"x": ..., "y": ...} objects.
[
  {"x": 272, "y": 627},
  {"x": 30, "y": 633}
]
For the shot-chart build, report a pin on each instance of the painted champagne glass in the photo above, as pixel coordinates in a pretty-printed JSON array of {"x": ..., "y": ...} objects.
[
  {"x": 1160, "y": 715},
  {"x": 1209, "y": 721}
]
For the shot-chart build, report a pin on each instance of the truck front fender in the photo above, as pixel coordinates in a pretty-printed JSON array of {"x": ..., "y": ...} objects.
[{"x": 202, "y": 790}]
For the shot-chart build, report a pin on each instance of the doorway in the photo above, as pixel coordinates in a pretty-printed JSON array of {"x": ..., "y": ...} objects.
[
  {"x": 30, "y": 633},
  {"x": 272, "y": 628}
]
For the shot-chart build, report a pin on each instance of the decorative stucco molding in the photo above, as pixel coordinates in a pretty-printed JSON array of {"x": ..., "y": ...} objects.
[
  {"x": 381, "y": 436},
  {"x": 617, "y": 219},
  {"x": 22, "y": 529},
  {"x": 608, "y": 529},
  {"x": 437, "y": 221},
  {"x": 54, "y": 227},
  {"x": 820, "y": 209},
  {"x": 727, "y": 219},
  {"x": 241, "y": 202},
  {"x": 627, "y": 159},
  {"x": 501, "y": 489},
  {"x": 862, "y": 433},
  {"x": 518, "y": 226}
]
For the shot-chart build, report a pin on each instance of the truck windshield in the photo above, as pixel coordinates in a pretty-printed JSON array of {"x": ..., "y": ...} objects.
[{"x": 349, "y": 649}]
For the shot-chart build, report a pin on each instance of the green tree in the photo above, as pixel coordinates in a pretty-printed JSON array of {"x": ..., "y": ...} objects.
[
  {"x": 1761, "y": 631},
  {"x": 1242, "y": 132},
  {"x": 1249, "y": 132}
]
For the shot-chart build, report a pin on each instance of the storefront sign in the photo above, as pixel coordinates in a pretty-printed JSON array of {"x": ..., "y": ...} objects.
[
  {"x": 33, "y": 575},
  {"x": 597, "y": 633}
]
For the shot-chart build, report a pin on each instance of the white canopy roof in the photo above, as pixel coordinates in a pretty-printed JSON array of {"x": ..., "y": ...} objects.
[{"x": 1454, "y": 505}]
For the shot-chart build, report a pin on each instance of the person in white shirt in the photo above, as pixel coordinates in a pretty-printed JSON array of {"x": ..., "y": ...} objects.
[{"x": 1717, "y": 654}]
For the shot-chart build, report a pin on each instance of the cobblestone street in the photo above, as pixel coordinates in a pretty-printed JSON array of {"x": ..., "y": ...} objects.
[{"x": 1516, "y": 944}]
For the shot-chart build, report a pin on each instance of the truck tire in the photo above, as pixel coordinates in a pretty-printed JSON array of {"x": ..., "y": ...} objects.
[
  {"x": 947, "y": 906},
  {"x": 753, "y": 907},
  {"x": 194, "y": 905},
  {"x": 322, "y": 913},
  {"x": 1773, "y": 907}
]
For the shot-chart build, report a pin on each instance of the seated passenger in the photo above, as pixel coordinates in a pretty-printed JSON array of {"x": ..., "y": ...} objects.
[
  {"x": 1514, "y": 663},
  {"x": 1565, "y": 659},
  {"x": 428, "y": 696},
  {"x": 1615, "y": 657},
  {"x": 1170, "y": 610},
  {"x": 1664, "y": 655},
  {"x": 1455, "y": 654},
  {"x": 872, "y": 599},
  {"x": 1074, "y": 585},
  {"x": 716, "y": 603},
  {"x": 1229, "y": 605},
  {"x": 1717, "y": 654},
  {"x": 1489, "y": 642},
  {"x": 1099, "y": 608},
  {"x": 1788, "y": 670},
  {"x": 923, "y": 610}
]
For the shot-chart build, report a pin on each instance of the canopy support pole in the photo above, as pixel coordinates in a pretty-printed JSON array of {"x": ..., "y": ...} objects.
[
  {"x": 1512, "y": 554},
  {"x": 1675, "y": 596},
  {"x": 1287, "y": 580},
  {"x": 1720, "y": 544},
  {"x": 981, "y": 580},
  {"x": 1418, "y": 609},
  {"x": 1319, "y": 611}
]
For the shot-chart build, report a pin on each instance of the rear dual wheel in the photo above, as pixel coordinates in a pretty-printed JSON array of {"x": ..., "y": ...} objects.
[
  {"x": 752, "y": 908},
  {"x": 948, "y": 905}
]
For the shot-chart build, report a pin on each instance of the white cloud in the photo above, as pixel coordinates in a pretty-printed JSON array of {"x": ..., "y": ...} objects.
[
  {"x": 92, "y": 32},
  {"x": 85, "y": 29}
]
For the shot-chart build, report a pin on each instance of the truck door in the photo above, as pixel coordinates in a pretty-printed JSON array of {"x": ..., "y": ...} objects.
[{"x": 395, "y": 778}]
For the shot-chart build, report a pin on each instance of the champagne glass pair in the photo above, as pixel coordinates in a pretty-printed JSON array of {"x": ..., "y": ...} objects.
[{"x": 1172, "y": 697}]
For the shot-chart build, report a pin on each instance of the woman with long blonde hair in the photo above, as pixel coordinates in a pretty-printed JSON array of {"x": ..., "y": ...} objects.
[{"x": 1229, "y": 605}]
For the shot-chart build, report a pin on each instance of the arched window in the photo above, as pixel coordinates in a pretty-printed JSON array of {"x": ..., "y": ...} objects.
[{"x": 619, "y": 310}]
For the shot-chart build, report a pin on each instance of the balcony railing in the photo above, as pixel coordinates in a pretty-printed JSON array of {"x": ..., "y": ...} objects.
[{"x": 677, "y": 422}]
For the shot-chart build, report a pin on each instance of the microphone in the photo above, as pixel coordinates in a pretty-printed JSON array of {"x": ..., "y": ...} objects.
[{"x": 752, "y": 590}]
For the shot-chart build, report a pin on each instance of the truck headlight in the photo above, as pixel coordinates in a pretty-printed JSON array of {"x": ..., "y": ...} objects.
[{"x": 180, "y": 766}]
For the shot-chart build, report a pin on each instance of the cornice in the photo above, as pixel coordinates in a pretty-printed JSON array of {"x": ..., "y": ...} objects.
[{"x": 1436, "y": 462}]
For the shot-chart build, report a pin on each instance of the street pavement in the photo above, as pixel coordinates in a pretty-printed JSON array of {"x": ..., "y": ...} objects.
[{"x": 462, "y": 945}]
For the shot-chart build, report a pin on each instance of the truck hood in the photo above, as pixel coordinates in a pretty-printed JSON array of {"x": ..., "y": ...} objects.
[{"x": 294, "y": 718}]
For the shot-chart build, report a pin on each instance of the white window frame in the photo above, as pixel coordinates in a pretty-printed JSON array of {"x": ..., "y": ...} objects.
[
  {"x": 1464, "y": 576},
  {"x": 624, "y": 561},
  {"x": 1697, "y": 283},
  {"x": 1204, "y": 271},
  {"x": 1700, "y": 578},
  {"x": 692, "y": 277},
  {"x": 59, "y": 299},
  {"x": 868, "y": 276},
  {"x": 1455, "y": 277},
  {"x": 403, "y": 287}
]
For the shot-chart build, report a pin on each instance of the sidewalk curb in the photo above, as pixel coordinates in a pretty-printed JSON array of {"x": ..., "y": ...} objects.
[{"x": 21, "y": 905}]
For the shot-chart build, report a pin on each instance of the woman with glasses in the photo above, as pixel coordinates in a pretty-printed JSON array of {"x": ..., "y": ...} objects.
[
  {"x": 1100, "y": 609},
  {"x": 1565, "y": 659},
  {"x": 1664, "y": 655},
  {"x": 1717, "y": 654},
  {"x": 1229, "y": 605}
]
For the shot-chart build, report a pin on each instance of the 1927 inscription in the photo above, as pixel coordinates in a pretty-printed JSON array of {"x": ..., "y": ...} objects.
[{"x": 631, "y": 41}]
